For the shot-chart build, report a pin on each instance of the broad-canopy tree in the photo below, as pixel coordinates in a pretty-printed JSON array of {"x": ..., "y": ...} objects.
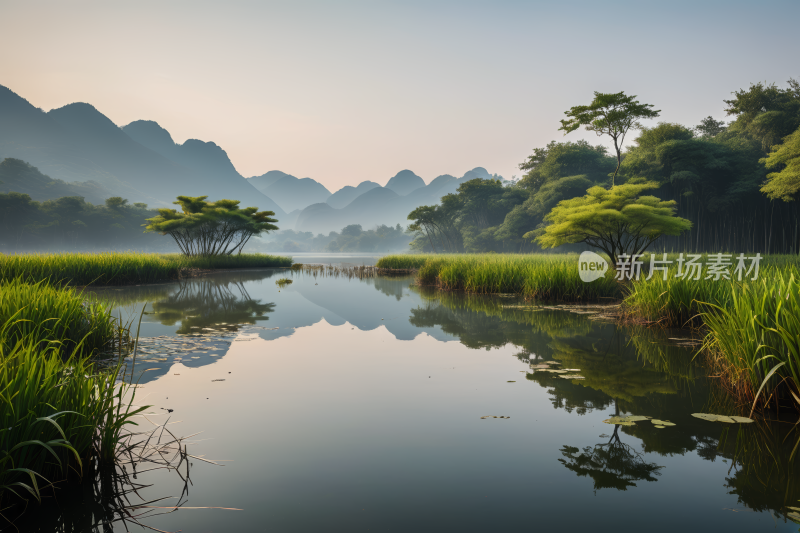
[
  {"x": 612, "y": 114},
  {"x": 618, "y": 220},
  {"x": 784, "y": 183},
  {"x": 210, "y": 228},
  {"x": 766, "y": 112}
]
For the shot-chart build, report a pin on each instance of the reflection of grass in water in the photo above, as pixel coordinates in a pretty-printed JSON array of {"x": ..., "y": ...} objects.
[
  {"x": 553, "y": 323},
  {"x": 283, "y": 282},
  {"x": 763, "y": 473}
]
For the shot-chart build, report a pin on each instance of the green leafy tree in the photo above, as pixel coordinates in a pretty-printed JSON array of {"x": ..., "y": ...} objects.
[
  {"x": 766, "y": 112},
  {"x": 612, "y": 114},
  {"x": 558, "y": 160},
  {"x": 210, "y": 228},
  {"x": 709, "y": 127},
  {"x": 784, "y": 183},
  {"x": 619, "y": 220}
]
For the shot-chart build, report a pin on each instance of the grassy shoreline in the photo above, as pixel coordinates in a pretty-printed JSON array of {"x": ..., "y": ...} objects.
[
  {"x": 751, "y": 327},
  {"x": 123, "y": 268}
]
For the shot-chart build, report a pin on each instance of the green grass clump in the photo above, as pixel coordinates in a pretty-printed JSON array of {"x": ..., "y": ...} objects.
[
  {"x": 403, "y": 261},
  {"x": 43, "y": 313},
  {"x": 58, "y": 408},
  {"x": 538, "y": 276},
  {"x": 758, "y": 330},
  {"x": 57, "y": 413},
  {"x": 121, "y": 268},
  {"x": 676, "y": 302}
]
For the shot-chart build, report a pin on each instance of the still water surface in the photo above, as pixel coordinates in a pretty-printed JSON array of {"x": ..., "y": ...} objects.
[{"x": 356, "y": 405}]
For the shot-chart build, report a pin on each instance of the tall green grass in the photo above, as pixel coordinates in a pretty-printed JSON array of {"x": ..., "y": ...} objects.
[
  {"x": 121, "y": 268},
  {"x": 40, "y": 312},
  {"x": 403, "y": 261},
  {"x": 58, "y": 406},
  {"x": 545, "y": 277},
  {"x": 676, "y": 302},
  {"x": 755, "y": 335},
  {"x": 55, "y": 414}
]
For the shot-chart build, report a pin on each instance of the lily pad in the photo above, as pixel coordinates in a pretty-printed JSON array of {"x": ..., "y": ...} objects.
[
  {"x": 661, "y": 423},
  {"x": 660, "y": 427},
  {"x": 715, "y": 418},
  {"x": 741, "y": 419},
  {"x": 619, "y": 421}
]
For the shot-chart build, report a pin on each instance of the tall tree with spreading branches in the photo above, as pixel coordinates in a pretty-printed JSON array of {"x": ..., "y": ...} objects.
[
  {"x": 612, "y": 114},
  {"x": 617, "y": 220},
  {"x": 210, "y": 228}
]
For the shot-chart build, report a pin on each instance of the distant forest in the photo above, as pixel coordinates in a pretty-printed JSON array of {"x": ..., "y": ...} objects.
[
  {"x": 735, "y": 182},
  {"x": 68, "y": 222}
]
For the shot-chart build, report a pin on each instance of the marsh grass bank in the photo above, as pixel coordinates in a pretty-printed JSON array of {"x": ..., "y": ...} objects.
[
  {"x": 541, "y": 277},
  {"x": 123, "y": 268}
]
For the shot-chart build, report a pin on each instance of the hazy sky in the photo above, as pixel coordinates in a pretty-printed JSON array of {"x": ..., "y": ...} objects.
[{"x": 349, "y": 91}]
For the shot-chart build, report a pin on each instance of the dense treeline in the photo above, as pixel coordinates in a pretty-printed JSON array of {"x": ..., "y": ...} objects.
[
  {"x": 71, "y": 223},
  {"x": 735, "y": 182}
]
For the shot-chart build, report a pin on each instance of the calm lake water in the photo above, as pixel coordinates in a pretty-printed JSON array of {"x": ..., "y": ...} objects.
[{"x": 356, "y": 405}]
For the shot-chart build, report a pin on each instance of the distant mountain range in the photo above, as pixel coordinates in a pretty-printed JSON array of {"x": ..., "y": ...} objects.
[
  {"x": 77, "y": 143},
  {"x": 376, "y": 205},
  {"x": 79, "y": 151}
]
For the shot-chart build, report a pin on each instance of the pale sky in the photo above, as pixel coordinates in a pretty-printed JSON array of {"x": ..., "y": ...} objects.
[{"x": 344, "y": 92}]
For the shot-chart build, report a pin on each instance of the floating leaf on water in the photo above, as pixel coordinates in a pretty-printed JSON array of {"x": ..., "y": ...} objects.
[
  {"x": 660, "y": 427},
  {"x": 636, "y": 418},
  {"x": 572, "y": 369},
  {"x": 619, "y": 421},
  {"x": 716, "y": 418},
  {"x": 743, "y": 420},
  {"x": 510, "y": 381},
  {"x": 661, "y": 423}
]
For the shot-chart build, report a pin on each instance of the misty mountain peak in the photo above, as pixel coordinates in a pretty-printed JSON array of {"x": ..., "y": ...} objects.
[
  {"x": 150, "y": 134},
  {"x": 85, "y": 119},
  {"x": 404, "y": 182}
]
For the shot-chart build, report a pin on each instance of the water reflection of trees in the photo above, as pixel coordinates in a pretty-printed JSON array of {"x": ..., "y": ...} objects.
[
  {"x": 613, "y": 464},
  {"x": 391, "y": 285},
  {"x": 210, "y": 304},
  {"x": 636, "y": 370},
  {"x": 218, "y": 301}
]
